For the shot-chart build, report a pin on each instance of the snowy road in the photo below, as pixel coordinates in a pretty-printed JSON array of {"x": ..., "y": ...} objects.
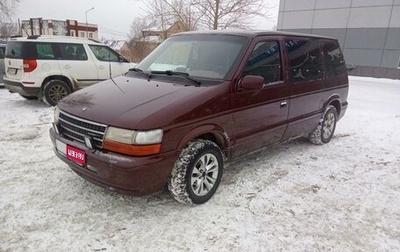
[{"x": 343, "y": 196}]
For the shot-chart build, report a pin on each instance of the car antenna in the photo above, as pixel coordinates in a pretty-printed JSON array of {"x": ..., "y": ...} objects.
[{"x": 110, "y": 74}]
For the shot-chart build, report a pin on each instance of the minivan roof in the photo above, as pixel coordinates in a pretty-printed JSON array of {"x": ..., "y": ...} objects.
[
  {"x": 254, "y": 33},
  {"x": 56, "y": 39}
]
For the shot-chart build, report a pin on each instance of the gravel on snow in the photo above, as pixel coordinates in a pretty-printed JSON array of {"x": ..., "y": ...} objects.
[{"x": 342, "y": 196}]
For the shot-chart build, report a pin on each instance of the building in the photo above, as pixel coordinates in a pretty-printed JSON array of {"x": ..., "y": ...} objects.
[
  {"x": 151, "y": 37},
  {"x": 368, "y": 30},
  {"x": 40, "y": 26},
  {"x": 157, "y": 33}
]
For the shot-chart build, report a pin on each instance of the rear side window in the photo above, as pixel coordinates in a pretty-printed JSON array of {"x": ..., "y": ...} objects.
[
  {"x": 265, "y": 61},
  {"x": 44, "y": 51},
  {"x": 104, "y": 53},
  {"x": 29, "y": 50},
  {"x": 72, "y": 52},
  {"x": 304, "y": 60},
  {"x": 332, "y": 58}
]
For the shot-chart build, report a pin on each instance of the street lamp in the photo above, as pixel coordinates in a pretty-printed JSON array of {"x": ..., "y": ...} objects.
[{"x": 86, "y": 20}]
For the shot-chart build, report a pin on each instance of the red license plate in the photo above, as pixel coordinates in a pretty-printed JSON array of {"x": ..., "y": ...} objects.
[{"x": 76, "y": 155}]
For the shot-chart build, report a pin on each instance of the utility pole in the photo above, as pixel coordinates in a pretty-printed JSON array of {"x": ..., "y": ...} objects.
[{"x": 86, "y": 21}]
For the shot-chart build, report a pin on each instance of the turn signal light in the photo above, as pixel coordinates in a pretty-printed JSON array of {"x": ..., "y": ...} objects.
[{"x": 132, "y": 150}]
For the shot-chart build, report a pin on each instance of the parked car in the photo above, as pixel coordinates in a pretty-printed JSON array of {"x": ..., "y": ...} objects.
[
  {"x": 2, "y": 52},
  {"x": 197, "y": 101},
  {"x": 51, "y": 67}
]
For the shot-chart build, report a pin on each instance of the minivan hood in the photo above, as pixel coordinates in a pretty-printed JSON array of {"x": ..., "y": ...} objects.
[{"x": 136, "y": 103}]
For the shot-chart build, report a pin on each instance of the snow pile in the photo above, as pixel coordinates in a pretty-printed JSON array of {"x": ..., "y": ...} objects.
[{"x": 343, "y": 196}]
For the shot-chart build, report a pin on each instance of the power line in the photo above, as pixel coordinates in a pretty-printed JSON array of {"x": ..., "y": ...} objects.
[{"x": 113, "y": 31}]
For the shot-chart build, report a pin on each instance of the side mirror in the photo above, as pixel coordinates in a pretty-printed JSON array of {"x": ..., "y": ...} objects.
[
  {"x": 122, "y": 59},
  {"x": 252, "y": 82}
]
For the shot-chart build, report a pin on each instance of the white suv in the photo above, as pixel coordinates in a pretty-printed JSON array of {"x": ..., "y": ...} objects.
[{"x": 51, "y": 67}]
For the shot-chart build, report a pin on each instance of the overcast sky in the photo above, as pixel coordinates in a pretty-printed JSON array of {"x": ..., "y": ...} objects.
[{"x": 113, "y": 17}]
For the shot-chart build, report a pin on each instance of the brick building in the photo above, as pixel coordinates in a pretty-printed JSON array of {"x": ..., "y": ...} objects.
[{"x": 40, "y": 26}]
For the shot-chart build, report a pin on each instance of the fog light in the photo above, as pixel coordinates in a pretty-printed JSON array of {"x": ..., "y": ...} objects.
[
  {"x": 57, "y": 128},
  {"x": 88, "y": 142}
]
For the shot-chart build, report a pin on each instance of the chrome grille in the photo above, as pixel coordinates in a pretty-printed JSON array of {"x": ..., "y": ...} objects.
[{"x": 76, "y": 128}]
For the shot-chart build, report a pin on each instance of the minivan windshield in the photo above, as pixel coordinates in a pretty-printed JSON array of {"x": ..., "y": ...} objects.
[{"x": 202, "y": 56}]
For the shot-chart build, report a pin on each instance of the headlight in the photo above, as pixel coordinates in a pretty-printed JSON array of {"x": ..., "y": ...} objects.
[
  {"x": 56, "y": 114},
  {"x": 133, "y": 142}
]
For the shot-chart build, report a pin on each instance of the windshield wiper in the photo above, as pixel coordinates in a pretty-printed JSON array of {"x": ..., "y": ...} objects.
[
  {"x": 138, "y": 70},
  {"x": 184, "y": 74}
]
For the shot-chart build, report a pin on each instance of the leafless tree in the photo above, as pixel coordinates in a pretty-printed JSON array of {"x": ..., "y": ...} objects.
[
  {"x": 224, "y": 14},
  {"x": 7, "y": 8},
  {"x": 139, "y": 47},
  {"x": 164, "y": 13},
  {"x": 208, "y": 14},
  {"x": 6, "y": 31}
]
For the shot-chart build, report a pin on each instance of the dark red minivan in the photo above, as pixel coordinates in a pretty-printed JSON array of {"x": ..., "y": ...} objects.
[{"x": 198, "y": 100}]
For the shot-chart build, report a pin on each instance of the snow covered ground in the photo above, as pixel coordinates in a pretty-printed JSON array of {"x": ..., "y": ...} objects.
[{"x": 343, "y": 196}]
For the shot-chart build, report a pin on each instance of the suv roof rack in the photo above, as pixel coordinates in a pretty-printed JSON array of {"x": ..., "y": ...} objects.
[
  {"x": 55, "y": 37},
  {"x": 33, "y": 36}
]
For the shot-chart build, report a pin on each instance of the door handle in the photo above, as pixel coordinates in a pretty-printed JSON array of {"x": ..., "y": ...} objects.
[
  {"x": 67, "y": 66},
  {"x": 283, "y": 104},
  {"x": 101, "y": 67}
]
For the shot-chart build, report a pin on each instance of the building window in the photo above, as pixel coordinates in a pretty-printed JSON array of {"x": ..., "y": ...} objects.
[
  {"x": 90, "y": 35},
  {"x": 72, "y": 33},
  {"x": 82, "y": 34}
]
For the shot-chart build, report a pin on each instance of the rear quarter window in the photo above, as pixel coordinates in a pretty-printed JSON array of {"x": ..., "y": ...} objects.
[
  {"x": 14, "y": 50},
  {"x": 28, "y": 50},
  {"x": 332, "y": 58}
]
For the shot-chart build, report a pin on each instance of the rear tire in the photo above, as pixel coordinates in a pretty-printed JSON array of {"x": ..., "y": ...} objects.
[
  {"x": 326, "y": 127},
  {"x": 197, "y": 172},
  {"x": 54, "y": 91}
]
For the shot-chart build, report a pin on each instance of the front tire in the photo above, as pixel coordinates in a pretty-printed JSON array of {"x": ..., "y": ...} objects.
[
  {"x": 326, "y": 127},
  {"x": 54, "y": 91},
  {"x": 197, "y": 172}
]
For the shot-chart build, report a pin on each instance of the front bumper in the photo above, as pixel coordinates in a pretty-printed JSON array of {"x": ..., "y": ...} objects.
[{"x": 129, "y": 175}]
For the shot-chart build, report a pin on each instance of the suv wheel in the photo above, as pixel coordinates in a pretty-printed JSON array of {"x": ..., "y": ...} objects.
[
  {"x": 54, "y": 90},
  {"x": 326, "y": 127},
  {"x": 197, "y": 172}
]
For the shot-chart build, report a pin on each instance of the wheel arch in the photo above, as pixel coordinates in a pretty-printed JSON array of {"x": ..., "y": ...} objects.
[
  {"x": 336, "y": 103},
  {"x": 209, "y": 132},
  {"x": 61, "y": 78}
]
